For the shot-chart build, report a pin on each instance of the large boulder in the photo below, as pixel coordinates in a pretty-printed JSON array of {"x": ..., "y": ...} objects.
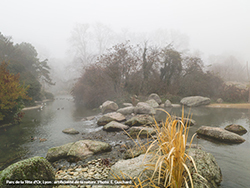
[
  {"x": 144, "y": 108},
  {"x": 113, "y": 116},
  {"x": 35, "y": 168},
  {"x": 109, "y": 106},
  {"x": 155, "y": 97},
  {"x": 238, "y": 129},
  {"x": 207, "y": 167},
  {"x": 152, "y": 103},
  {"x": 126, "y": 110},
  {"x": 220, "y": 134},
  {"x": 142, "y": 132},
  {"x": 132, "y": 168},
  {"x": 195, "y": 101},
  {"x": 115, "y": 126},
  {"x": 206, "y": 164},
  {"x": 77, "y": 151},
  {"x": 70, "y": 131},
  {"x": 139, "y": 120}
]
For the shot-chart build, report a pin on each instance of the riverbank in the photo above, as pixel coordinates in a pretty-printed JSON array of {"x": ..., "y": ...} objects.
[
  {"x": 229, "y": 105},
  {"x": 37, "y": 106}
]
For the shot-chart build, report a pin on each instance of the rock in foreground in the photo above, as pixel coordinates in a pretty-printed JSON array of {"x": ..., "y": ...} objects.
[
  {"x": 195, "y": 101},
  {"x": 207, "y": 167},
  {"x": 205, "y": 162},
  {"x": 77, "y": 151},
  {"x": 220, "y": 134},
  {"x": 35, "y": 168}
]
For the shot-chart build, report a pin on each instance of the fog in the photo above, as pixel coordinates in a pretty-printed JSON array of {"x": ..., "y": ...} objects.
[{"x": 209, "y": 28}]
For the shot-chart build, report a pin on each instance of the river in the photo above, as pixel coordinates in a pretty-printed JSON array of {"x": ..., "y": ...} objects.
[{"x": 48, "y": 123}]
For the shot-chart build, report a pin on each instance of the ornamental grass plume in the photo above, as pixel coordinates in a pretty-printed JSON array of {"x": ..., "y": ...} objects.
[{"x": 168, "y": 155}]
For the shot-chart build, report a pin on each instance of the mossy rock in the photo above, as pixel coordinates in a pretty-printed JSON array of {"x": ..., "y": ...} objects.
[
  {"x": 139, "y": 120},
  {"x": 76, "y": 151},
  {"x": 35, "y": 168},
  {"x": 238, "y": 129}
]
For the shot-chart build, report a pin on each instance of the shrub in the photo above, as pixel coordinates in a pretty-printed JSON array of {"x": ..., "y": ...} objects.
[
  {"x": 93, "y": 87},
  {"x": 233, "y": 94}
]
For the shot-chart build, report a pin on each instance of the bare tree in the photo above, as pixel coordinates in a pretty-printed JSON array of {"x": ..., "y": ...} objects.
[{"x": 103, "y": 35}]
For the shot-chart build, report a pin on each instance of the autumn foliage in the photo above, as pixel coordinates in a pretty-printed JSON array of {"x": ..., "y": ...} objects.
[{"x": 11, "y": 95}]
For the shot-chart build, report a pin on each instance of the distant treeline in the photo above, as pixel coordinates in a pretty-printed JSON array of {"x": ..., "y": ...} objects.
[{"x": 125, "y": 70}]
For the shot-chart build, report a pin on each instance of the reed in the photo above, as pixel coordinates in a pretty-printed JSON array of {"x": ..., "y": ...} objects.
[
  {"x": 169, "y": 159},
  {"x": 168, "y": 156}
]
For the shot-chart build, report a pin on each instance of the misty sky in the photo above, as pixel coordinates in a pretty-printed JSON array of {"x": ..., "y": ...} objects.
[{"x": 213, "y": 26}]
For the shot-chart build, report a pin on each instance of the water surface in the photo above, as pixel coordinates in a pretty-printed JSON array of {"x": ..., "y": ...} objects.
[{"x": 234, "y": 160}]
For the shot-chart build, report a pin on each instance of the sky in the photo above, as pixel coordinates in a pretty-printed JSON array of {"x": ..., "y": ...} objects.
[{"x": 214, "y": 27}]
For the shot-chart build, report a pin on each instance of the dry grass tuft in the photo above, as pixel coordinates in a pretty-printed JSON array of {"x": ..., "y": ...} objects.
[{"x": 168, "y": 151}]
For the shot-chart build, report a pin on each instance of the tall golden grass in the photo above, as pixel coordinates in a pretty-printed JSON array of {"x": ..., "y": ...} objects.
[{"x": 169, "y": 155}]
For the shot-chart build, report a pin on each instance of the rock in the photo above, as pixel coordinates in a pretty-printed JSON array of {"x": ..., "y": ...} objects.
[
  {"x": 167, "y": 104},
  {"x": 143, "y": 132},
  {"x": 109, "y": 106},
  {"x": 195, "y": 101},
  {"x": 104, "y": 120},
  {"x": 126, "y": 104},
  {"x": 59, "y": 152},
  {"x": 89, "y": 118},
  {"x": 115, "y": 126},
  {"x": 126, "y": 110},
  {"x": 219, "y": 100},
  {"x": 132, "y": 167},
  {"x": 238, "y": 129},
  {"x": 139, "y": 120},
  {"x": 116, "y": 116},
  {"x": 113, "y": 116},
  {"x": 205, "y": 162},
  {"x": 132, "y": 153},
  {"x": 220, "y": 134},
  {"x": 189, "y": 122},
  {"x": 35, "y": 168},
  {"x": 155, "y": 97},
  {"x": 152, "y": 103},
  {"x": 207, "y": 167},
  {"x": 144, "y": 108},
  {"x": 70, "y": 131},
  {"x": 77, "y": 151}
]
